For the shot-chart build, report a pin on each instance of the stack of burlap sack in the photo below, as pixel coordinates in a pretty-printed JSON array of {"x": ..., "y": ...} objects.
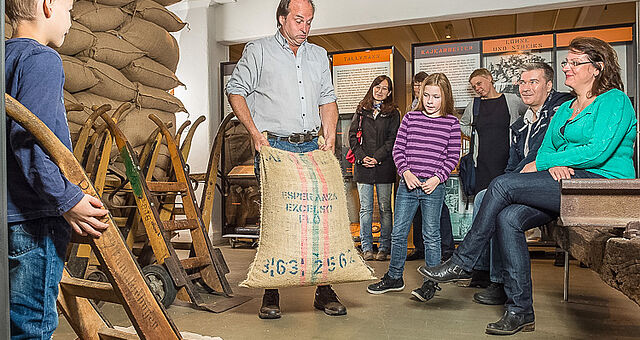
[{"x": 120, "y": 51}]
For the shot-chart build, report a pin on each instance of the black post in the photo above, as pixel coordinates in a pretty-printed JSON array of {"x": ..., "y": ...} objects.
[{"x": 4, "y": 247}]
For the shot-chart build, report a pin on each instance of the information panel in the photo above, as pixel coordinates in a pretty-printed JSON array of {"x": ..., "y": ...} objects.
[
  {"x": 353, "y": 73},
  {"x": 456, "y": 60}
]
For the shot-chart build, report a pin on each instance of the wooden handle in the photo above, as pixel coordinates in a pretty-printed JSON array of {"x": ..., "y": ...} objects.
[{"x": 147, "y": 315}]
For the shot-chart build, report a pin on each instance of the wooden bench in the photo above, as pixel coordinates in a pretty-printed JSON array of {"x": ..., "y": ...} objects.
[{"x": 593, "y": 216}]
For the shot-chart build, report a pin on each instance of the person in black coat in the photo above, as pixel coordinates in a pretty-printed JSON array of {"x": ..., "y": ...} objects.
[{"x": 371, "y": 137}]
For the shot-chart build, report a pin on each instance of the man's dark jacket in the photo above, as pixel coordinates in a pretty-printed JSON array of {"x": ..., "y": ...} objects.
[{"x": 517, "y": 159}]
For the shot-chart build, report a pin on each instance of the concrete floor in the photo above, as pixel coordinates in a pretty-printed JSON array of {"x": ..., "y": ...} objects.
[{"x": 595, "y": 310}]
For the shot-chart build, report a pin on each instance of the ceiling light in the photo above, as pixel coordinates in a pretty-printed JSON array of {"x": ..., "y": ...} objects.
[{"x": 448, "y": 31}]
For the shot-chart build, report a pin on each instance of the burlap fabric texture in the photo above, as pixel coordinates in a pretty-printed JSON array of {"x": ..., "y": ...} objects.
[{"x": 304, "y": 237}]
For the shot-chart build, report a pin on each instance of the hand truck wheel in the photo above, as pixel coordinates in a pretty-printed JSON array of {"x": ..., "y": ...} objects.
[{"x": 160, "y": 283}]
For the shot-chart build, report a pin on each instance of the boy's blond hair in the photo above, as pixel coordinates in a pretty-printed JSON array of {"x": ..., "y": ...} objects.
[{"x": 19, "y": 10}]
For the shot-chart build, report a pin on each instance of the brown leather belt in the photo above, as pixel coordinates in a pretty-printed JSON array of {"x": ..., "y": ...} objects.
[{"x": 295, "y": 138}]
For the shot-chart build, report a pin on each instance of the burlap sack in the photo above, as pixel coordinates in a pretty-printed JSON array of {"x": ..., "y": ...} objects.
[
  {"x": 304, "y": 237},
  {"x": 97, "y": 17},
  {"x": 137, "y": 127},
  {"x": 153, "y": 39},
  {"x": 111, "y": 83},
  {"x": 110, "y": 49},
  {"x": 69, "y": 98},
  {"x": 75, "y": 119},
  {"x": 117, "y": 3},
  {"x": 152, "y": 98},
  {"x": 148, "y": 72},
  {"x": 77, "y": 75},
  {"x": 89, "y": 99},
  {"x": 156, "y": 13},
  {"x": 77, "y": 40},
  {"x": 167, "y": 2}
]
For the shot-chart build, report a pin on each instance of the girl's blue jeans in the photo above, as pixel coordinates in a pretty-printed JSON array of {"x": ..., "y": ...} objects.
[{"x": 407, "y": 202}]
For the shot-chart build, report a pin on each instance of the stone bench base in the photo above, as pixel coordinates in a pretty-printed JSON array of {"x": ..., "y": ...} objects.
[{"x": 615, "y": 259}]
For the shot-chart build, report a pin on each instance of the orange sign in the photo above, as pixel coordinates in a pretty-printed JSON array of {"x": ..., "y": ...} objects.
[
  {"x": 501, "y": 45},
  {"x": 364, "y": 57},
  {"x": 609, "y": 35}
]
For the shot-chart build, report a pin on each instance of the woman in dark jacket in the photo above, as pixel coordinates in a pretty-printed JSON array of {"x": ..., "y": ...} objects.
[{"x": 371, "y": 137}]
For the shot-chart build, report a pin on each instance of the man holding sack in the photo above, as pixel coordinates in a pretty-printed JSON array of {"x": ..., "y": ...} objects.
[{"x": 282, "y": 86}]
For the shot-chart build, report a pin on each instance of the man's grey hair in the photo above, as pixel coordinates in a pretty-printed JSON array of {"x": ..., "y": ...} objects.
[
  {"x": 283, "y": 9},
  {"x": 547, "y": 70}
]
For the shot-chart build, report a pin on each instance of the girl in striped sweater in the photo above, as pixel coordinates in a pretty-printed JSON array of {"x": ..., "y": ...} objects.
[{"x": 425, "y": 152}]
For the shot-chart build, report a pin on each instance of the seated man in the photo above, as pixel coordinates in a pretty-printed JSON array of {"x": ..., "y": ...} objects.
[{"x": 536, "y": 90}]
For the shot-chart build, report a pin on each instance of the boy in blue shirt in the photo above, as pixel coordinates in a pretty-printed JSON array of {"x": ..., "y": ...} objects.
[{"x": 42, "y": 205}]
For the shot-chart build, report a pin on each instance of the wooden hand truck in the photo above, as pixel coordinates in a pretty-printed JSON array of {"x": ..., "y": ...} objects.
[
  {"x": 207, "y": 266},
  {"x": 93, "y": 153},
  {"x": 127, "y": 285}
]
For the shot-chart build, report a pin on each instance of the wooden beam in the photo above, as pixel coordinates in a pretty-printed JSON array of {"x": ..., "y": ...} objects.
[
  {"x": 462, "y": 29},
  {"x": 413, "y": 36},
  {"x": 361, "y": 39},
  {"x": 328, "y": 42},
  {"x": 473, "y": 29},
  {"x": 435, "y": 33},
  {"x": 555, "y": 20},
  {"x": 101, "y": 291},
  {"x": 524, "y": 22},
  {"x": 589, "y": 16}
]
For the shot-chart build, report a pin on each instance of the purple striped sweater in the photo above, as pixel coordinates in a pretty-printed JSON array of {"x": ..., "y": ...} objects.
[{"x": 427, "y": 146}]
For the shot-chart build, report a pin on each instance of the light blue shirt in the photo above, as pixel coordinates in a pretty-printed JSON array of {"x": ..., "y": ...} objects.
[{"x": 283, "y": 90}]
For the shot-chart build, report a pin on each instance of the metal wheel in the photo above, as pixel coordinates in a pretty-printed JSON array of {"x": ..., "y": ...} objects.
[{"x": 160, "y": 283}]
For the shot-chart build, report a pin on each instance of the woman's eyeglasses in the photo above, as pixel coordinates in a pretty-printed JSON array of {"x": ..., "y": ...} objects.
[{"x": 574, "y": 63}]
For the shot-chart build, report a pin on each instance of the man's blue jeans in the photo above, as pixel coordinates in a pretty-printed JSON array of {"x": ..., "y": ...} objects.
[
  {"x": 286, "y": 146},
  {"x": 491, "y": 259},
  {"x": 513, "y": 203},
  {"x": 36, "y": 258},
  {"x": 365, "y": 192},
  {"x": 407, "y": 202}
]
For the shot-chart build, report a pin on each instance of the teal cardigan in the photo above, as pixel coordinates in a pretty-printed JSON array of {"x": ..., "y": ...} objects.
[{"x": 599, "y": 139}]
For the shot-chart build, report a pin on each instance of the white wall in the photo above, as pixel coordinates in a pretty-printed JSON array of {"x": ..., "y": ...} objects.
[
  {"x": 249, "y": 19},
  {"x": 198, "y": 69}
]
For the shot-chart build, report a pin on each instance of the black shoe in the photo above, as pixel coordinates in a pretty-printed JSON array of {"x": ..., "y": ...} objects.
[
  {"x": 416, "y": 255},
  {"x": 492, "y": 295},
  {"x": 270, "y": 308},
  {"x": 512, "y": 323},
  {"x": 480, "y": 279},
  {"x": 426, "y": 292},
  {"x": 327, "y": 301},
  {"x": 444, "y": 272},
  {"x": 446, "y": 255},
  {"x": 387, "y": 284}
]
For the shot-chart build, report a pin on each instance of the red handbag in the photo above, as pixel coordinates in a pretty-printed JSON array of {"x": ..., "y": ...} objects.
[{"x": 351, "y": 157}]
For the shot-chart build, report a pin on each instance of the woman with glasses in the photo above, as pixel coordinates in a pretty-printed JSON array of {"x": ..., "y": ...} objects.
[
  {"x": 371, "y": 136},
  {"x": 589, "y": 137}
]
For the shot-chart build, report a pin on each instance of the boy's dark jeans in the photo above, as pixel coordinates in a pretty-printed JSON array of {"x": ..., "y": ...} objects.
[{"x": 36, "y": 259}]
